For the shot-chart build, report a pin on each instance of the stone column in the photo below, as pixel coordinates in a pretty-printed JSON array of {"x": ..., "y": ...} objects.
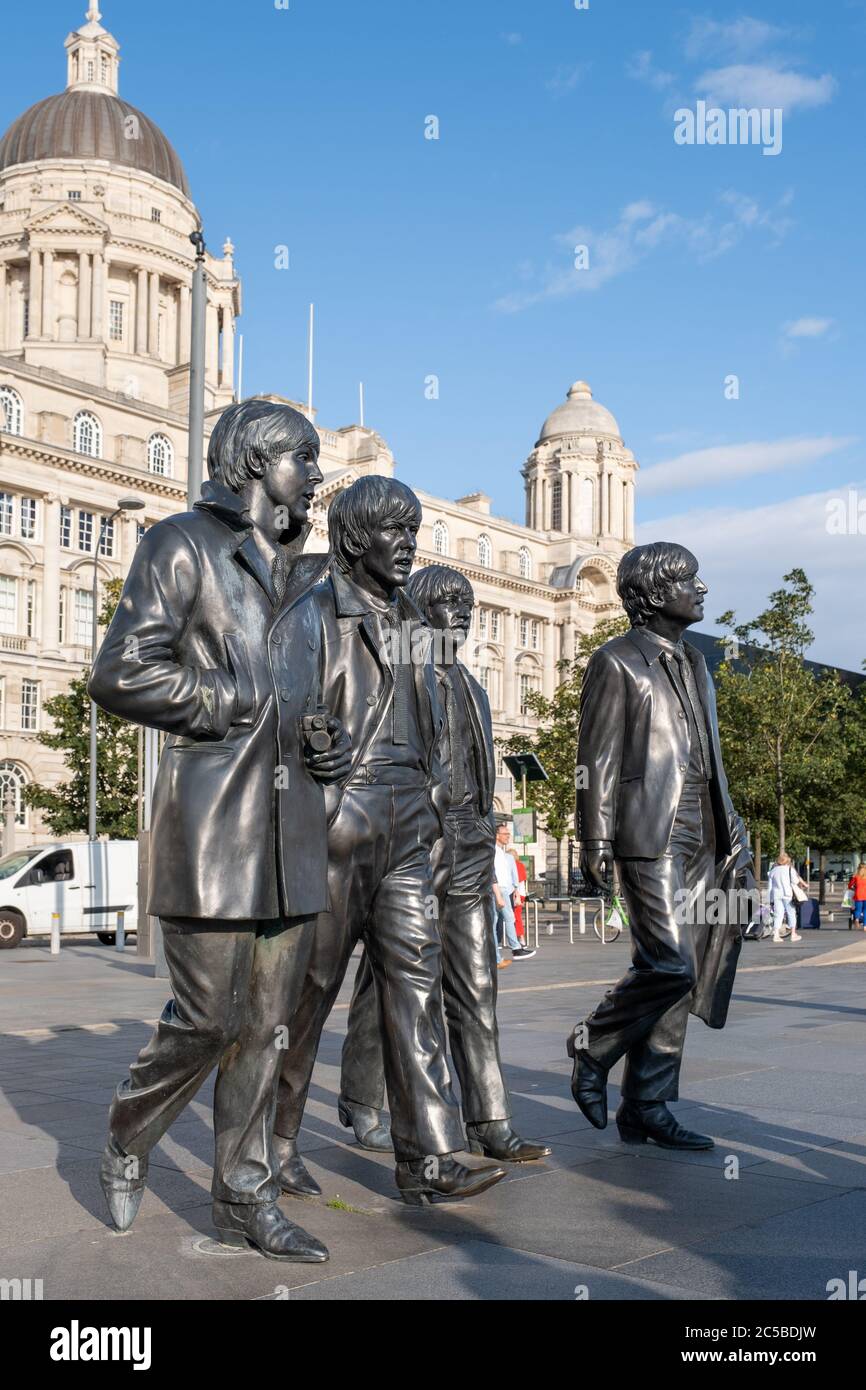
[
  {"x": 509, "y": 697},
  {"x": 48, "y": 294},
  {"x": 4, "y": 313},
  {"x": 153, "y": 315},
  {"x": 630, "y": 512},
  {"x": 141, "y": 312},
  {"x": 227, "y": 377},
  {"x": 185, "y": 326},
  {"x": 212, "y": 346},
  {"x": 84, "y": 295},
  {"x": 50, "y": 574},
  {"x": 569, "y": 640},
  {"x": 97, "y": 298},
  {"x": 34, "y": 293},
  {"x": 548, "y": 657},
  {"x": 569, "y": 508}
]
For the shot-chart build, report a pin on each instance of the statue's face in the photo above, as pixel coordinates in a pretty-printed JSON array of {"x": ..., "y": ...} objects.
[
  {"x": 684, "y": 602},
  {"x": 453, "y": 614},
  {"x": 291, "y": 481},
  {"x": 389, "y": 556}
]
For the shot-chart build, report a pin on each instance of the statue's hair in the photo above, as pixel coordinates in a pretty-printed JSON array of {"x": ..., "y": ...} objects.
[
  {"x": 434, "y": 584},
  {"x": 646, "y": 575},
  {"x": 253, "y": 434},
  {"x": 354, "y": 514}
]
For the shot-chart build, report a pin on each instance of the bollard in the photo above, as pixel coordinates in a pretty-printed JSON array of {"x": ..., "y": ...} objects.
[
  {"x": 55, "y": 933},
  {"x": 120, "y": 935}
]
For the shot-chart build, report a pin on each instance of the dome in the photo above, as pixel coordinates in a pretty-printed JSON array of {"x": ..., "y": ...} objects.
[
  {"x": 91, "y": 124},
  {"x": 579, "y": 414}
]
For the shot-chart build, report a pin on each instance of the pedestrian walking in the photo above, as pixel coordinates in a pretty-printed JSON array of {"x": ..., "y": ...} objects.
[
  {"x": 785, "y": 882},
  {"x": 857, "y": 886},
  {"x": 506, "y": 884}
]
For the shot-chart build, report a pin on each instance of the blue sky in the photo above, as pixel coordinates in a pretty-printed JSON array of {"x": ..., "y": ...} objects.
[{"x": 454, "y": 257}]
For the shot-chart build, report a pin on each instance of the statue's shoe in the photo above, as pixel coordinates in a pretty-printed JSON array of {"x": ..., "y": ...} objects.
[
  {"x": 588, "y": 1085},
  {"x": 263, "y": 1226},
  {"x": 497, "y": 1139},
  {"x": 637, "y": 1122},
  {"x": 123, "y": 1178},
  {"x": 372, "y": 1128},
  {"x": 449, "y": 1181},
  {"x": 294, "y": 1177}
]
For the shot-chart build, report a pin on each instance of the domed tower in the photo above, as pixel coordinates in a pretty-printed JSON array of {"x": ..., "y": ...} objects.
[
  {"x": 579, "y": 478},
  {"x": 95, "y": 259}
]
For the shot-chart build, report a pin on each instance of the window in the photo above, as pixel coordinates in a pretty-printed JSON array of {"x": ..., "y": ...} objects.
[
  {"x": 440, "y": 538},
  {"x": 28, "y": 518},
  {"x": 160, "y": 455},
  {"x": 29, "y": 706},
  {"x": 11, "y": 409},
  {"x": 482, "y": 622},
  {"x": 13, "y": 779},
  {"x": 155, "y": 215},
  {"x": 485, "y": 552},
  {"x": 556, "y": 505},
  {"x": 7, "y": 503},
  {"x": 87, "y": 435},
  {"x": 528, "y": 685},
  {"x": 82, "y": 634},
  {"x": 106, "y": 544},
  {"x": 534, "y": 634},
  {"x": 8, "y": 604},
  {"x": 74, "y": 195},
  {"x": 115, "y": 320},
  {"x": 90, "y": 70},
  {"x": 524, "y": 632},
  {"x": 525, "y": 563},
  {"x": 104, "y": 70},
  {"x": 61, "y": 617},
  {"x": 484, "y": 679},
  {"x": 30, "y": 609},
  {"x": 66, "y": 528},
  {"x": 494, "y": 625},
  {"x": 140, "y": 529},
  {"x": 85, "y": 531}
]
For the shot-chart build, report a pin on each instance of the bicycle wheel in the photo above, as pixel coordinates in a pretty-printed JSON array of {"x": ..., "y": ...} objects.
[{"x": 607, "y": 924}]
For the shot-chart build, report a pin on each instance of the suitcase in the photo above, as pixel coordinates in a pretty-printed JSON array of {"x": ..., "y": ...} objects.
[{"x": 809, "y": 915}]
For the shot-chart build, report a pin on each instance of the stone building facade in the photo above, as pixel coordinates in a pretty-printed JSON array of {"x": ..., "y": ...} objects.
[{"x": 95, "y": 283}]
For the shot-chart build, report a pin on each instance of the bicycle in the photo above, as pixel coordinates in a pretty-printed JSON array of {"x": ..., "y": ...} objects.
[{"x": 610, "y": 919}]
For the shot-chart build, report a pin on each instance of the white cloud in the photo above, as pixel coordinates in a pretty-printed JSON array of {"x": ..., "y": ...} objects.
[
  {"x": 743, "y": 553},
  {"x": 640, "y": 230},
  {"x": 565, "y": 79},
  {"x": 512, "y": 39},
  {"x": 728, "y": 462},
  {"x": 807, "y": 328},
  {"x": 738, "y": 38},
  {"x": 756, "y": 84},
  {"x": 642, "y": 69}
]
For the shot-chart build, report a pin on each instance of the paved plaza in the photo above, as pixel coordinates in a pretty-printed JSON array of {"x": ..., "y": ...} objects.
[{"x": 775, "y": 1212}]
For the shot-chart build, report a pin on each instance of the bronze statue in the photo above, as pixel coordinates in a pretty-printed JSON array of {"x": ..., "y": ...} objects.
[
  {"x": 378, "y": 677},
  {"x": 462, "y": 880},
  {"x": 216, "y": 640},
  {"x": 653, "y": 798}
]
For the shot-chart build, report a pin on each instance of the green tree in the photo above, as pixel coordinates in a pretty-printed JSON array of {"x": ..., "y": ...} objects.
[
  {"x": 554, "y": 741},
  {"x": 782, "y": 726},
  {"x": 64, "y": 806}
]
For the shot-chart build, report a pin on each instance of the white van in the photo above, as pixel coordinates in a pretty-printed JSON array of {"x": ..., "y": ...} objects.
[{"x": 87, "y": 883}]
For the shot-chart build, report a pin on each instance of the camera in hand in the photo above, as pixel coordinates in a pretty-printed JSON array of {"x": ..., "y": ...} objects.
[{"x": 316, "y": 735}]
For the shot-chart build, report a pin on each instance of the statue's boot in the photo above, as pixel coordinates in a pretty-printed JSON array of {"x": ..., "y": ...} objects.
[
  {"x": 123, "y": 1178},
  {"x": 372, "y": 1127},
  {"x": 441, "y": 1178},
  {"x": 588, "y": 1085},
  {"x": 293, "y": 1175},
  {"x": 497, "y": 1139},
  {"x": 638, "y": 1121},
  {"x": 263, "y": 1226}
]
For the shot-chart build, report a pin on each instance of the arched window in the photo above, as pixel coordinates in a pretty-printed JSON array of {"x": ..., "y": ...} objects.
[
  {"x": 12, "y": 778},
  {"x": 87, "y": 435},
  {"x": 485, "y": 552},
  {"x": 440, "y": 538},
  {"x": 556, "y": 505},
  {"x": 11, "y": 411},
  {"x": 525, "y": 562},
  {"x": 160, "y": 455}
]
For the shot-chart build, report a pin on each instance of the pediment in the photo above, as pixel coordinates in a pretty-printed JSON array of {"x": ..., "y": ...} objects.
[{"x": 66, "y": 219}]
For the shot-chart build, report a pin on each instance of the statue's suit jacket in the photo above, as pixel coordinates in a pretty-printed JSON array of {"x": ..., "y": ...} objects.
[
  {"x": 196, "y": 648},
  {"x": 481, "y": 726},
  {"x": 633, "y": 743}
]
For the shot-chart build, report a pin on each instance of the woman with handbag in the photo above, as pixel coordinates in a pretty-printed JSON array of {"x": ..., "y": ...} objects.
[
  {"x": 857, "y": 887},
  {"x": 786, "y": 889}
]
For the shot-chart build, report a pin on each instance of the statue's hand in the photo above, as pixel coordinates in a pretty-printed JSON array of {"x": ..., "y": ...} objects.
[
  {"x": 334, "y": 764},
  {"x": 595, "y": 865}
]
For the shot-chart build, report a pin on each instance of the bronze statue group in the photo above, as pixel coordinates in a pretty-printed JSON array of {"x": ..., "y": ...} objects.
[{"x": 328, "y": 781}]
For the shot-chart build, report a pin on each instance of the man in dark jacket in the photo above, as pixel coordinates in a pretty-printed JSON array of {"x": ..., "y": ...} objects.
[
  {"x": 652, "y": 795},
  {"x": 378, "y": 678},
  {"x": 462, "y": 878},
  {"x": 216, "y": 641}
]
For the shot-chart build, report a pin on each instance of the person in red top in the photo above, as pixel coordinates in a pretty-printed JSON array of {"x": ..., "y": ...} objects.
[
  {"x": 521, "y": 893},
  {"x": 857, "y": 885}
]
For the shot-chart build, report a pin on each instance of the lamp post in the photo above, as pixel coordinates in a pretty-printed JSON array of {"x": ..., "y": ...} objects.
[{"x": 126, "y": 504}]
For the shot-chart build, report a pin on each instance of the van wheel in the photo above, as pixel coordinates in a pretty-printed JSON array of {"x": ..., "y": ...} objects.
[
  {"x": 11, "y": 928},
  {"x": 108, "y": 938}
]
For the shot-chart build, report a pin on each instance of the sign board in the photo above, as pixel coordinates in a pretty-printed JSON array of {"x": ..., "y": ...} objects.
[{"x": 524, "y": 824}]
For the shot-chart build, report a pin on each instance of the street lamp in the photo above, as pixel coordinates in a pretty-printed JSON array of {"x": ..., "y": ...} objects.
[{"x": 126, "y": 504}]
